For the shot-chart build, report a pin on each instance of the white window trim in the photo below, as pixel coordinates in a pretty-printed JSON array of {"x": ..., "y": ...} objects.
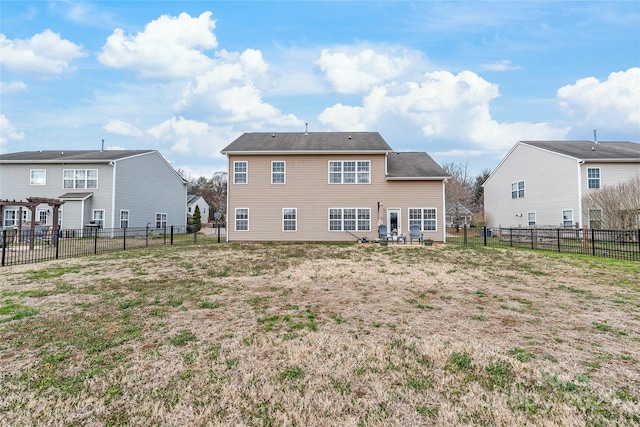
[
  {"x": 295, "y": 220},
  {"x": 165, "y": 220},
  {"x": 563, "y": 220},
  {"x": 422, "y": 219},
  {"x": 128, "y": 218},
  {"x": 102, "y": 220},
  {"x": 86, "y": 179},
  {"x": 246, "y": 172},
  {"x": 529, "y": 219},
  {"x": 284, "y": 172},
  {"x": 357, "y": 220},
  {"x": 235, "y": 219},
  {"x": 599, "y": 179},
  {"x": 342, "y": 162},
  {"x": 517, "y": 184},
  {"x": 31, "y": 181}
]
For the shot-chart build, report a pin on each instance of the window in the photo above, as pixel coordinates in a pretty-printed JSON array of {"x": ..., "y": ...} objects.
[
  {"x": 239, "y": 172},
  {"x": 595, "y": 219},
  {"x": 567, "y": 218},
  {"x": 124, "y": 219},
  {"x": 80, "y": 178},
  {"x": 242, "y": 219},
  {"x": 349, "y": 219},
  {"x": 593, "y": 177},
  {"x": 277, "y": 172},
  {"x": 38, "y": 177},
  {"x": 532, "y": 218},
  {"x": 11, "y": 217},
  {"x": 517, "y": 190},
  {"x": 161, "y": 220},
  {"x": 426, "y": 218},
  {"x": 98, "y": 217},
  {"x": 350, "y": 172},
  {"x": 289, "y": 219},
  {"x": 42, "y": 216}
]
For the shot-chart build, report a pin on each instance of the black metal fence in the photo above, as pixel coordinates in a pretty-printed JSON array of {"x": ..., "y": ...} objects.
[
  {"x": 618, "y": 244},
  {"x": 28, "y": 246}
]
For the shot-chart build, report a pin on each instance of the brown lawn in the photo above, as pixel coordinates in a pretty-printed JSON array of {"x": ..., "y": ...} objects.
[{"x": 321, "y": 335}]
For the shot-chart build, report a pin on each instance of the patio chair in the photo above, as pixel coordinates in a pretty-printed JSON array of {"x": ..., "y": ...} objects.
[
  {"x": 382, "y": 233},
  {"x": 414, "y": 233}
]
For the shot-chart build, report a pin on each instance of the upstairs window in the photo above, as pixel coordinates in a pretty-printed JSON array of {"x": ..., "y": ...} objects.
[
  {"x": 593, "y": 177},
  {"x": 350, "y": 172},
  {"x": 517, "y": 190},
  {"x": 425, "y": 218},
  {"x": 80, "y": 178},
  {"x": 38, "y": 177},
  {"x": 240, "y": 173},
  {"x": 278, "y": 172}
]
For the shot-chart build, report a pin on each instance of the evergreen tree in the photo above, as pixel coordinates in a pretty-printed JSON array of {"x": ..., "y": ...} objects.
[{"x": 197, "y": 219}]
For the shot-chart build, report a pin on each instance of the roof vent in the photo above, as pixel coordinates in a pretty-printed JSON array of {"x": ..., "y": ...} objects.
[
  {"x": 595, "y": 137},
  {"x": 306, "y": 128},
  {"x": 349, "y": 136},
  {"x": 273, "y": 135}
]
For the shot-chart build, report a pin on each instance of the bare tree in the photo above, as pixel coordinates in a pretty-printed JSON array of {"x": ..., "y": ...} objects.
[
  {"x": 614, "y": 206},
  {"x": 458, "y": 191}
]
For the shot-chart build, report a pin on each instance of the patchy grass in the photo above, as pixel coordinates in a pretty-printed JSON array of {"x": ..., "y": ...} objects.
[{"x": 321, "y": 334}]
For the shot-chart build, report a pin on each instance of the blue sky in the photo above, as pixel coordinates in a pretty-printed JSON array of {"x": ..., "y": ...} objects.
[{"x": 463, "y": 81}]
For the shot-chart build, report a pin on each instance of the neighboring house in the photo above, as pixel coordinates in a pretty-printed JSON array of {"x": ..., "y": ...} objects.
[
  {"x": 113, "y": 188},
  {"x": 542, "y": 183},
  {"x": 329, "y": 186},
  {"x": 199, "y": 201}
]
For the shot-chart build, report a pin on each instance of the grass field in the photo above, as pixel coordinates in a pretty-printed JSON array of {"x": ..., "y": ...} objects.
[{"x": 321, "y": 335}]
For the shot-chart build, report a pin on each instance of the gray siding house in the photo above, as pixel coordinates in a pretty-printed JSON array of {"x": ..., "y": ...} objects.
[
  {"x": 330, "y": 186},
  {"x": 111, "y": 188},
  {"x": 542, "y": 183}
]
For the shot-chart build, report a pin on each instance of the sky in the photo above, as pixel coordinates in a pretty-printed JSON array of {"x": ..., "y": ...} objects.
[{"x": 462, "y": 81}]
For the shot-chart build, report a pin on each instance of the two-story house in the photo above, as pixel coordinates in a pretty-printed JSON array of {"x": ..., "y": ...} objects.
[
  {"x": 329, "y": 186},
  {"x": 110, "y": 188},
  {"x": 542, "y": 183},
  {"x": 193, "y": 201}
]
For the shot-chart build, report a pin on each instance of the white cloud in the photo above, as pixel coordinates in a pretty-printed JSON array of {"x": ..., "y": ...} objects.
[
  {"x": 613, "y": 104},
  {"x": 357, "y": 72},
  {"x": 440, "y": 106},
  {"x": 228, "y": 93},
  {"x": 502, "y": 65},
  {"x": 168, "y": 47},
  {"x": 15, "y": 86},
  {"x": 8, "y": 132},
  {"x": 44, "y": 53},
  {"x": 193, "y": 137},
  {"x": 123, "y": 128}
]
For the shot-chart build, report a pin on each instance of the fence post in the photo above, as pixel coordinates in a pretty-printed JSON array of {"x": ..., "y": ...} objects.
[
  {"x": 593, "y": 242},
  {"x": 195, "y": 236},
  {"x": 147, "y": 237},
  {"x": 171, "y": 239},
  {"x": 164, "y": 235},
  {"x": 511, "y": 237},
  {"x": 533, "y": 239},
  {"x": 585, "y": 239},
  {"x": 124, "y": 239},
  {"x": 484, "y": 233},
  {"x": 464, "y": 233},
  {"x": 4, "y": 245},
  {"x": 58, "y": 238},
  {"x": 558, "y": 230}
]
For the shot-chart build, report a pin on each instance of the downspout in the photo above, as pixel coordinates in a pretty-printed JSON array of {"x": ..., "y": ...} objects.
[
  {"x": 444, "y": 213},
  {"x": 580, "y": 163},
  {"x": 113, "y": 194}
]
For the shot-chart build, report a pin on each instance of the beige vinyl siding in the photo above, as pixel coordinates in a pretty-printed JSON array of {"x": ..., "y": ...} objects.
[
  {"x": 308, "y": 190},
  {"x": 610, "y": 173},
  {"x": 551, "y": 185}
]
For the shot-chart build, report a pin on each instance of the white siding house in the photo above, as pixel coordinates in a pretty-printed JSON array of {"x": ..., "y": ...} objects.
[
  {"x": 541, "y": 183},
  {"x": 201, "y": 203},
  {"x": 112, "y": 188}
]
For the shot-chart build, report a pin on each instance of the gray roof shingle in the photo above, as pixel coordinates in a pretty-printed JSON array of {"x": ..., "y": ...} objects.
[
  {"x": 295, "y": 142},
  {"x": 589, "y": 150},
  {"x": 69, "y": 156},
  {"x": 413, "y": 165}
]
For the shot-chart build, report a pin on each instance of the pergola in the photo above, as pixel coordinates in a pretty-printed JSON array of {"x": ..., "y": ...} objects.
[{"x": 32, "y": 203}]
